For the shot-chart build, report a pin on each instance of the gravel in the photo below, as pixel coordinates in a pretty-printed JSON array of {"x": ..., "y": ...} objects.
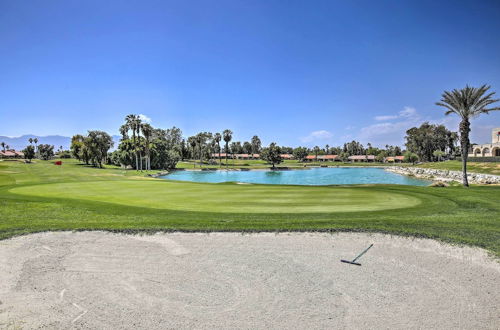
[{"x": 101, "y": 280}]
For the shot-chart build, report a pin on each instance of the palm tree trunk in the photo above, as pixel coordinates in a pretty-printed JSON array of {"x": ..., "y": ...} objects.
[
  {"x": 220, "y": 160},
  {"x": 464, "y": 143},
  {"x": 226, "y": 153}
]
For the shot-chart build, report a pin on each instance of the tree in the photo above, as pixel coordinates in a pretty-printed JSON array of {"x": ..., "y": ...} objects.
[
  {"x": 438, "y": 154},
  {"x": 256, "y": 144},
  {"x": 427, "y": 138},
  {"x": 247, "y": 148},
  {"x": 410, "y": 157},
  {"x": 45, "y": 151},
  {"x": 327, "y": 149},
  {"x": 227, "y": 135},
  {"x": 344, "y": 156},
  {"x": 132, "y": 122},
  {"x": 37, "y": 151},
  {"x": 272, "y": 154},
  {"x": 468, "y": 103},
  {"x": 381, "y": 156},
  {"x": 192, "y": 143},
  {"x": 316, "y": 151},
  {"x": 147, "y": 131},
  {"x": 300, "y": 153},
  {"x": 98, "y": 143},
  {"x": 77, "y": 142},
  {"x": 29, "y": 153},
  {"x": 3, "y": 146},
  {"x": 217, "y": 139}
]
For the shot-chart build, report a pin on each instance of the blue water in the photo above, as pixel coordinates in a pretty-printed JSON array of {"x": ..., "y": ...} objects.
[{"x": 315, "y": 176}]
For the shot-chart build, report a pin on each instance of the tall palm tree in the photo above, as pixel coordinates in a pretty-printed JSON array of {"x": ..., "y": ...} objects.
[
  {"x": 147, "y": 131},
  {"x": 227, "y": 136},
  {"x": 35, "y": 140},
  {"x": 192, "y": 143},
  {"x": 30, "y": 140},
  {"x": 3, "y": 146},
  {"x": 316, "y": 151},
  {"x": 217, "y": 139},
  {"x": 468, "y": 103},
  {"x": 131, "y": 123}
]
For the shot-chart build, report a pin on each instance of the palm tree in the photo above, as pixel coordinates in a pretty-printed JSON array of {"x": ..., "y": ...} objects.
[
  {"x": 316, "y": 151},
  {"x": 147, "y": 131},
  {"x": 192, "y": 143},
  {"x": 30, "y": 140},
  {"x": 3, "y": 146},
  {"x": 327, "y": 147},
  {"x": 35, "y": 140},
  {"x": 131, "y": 123},
  {"x": 468, "y": 103},
  {"x": 217, "y": 138},
  {"x": 227, "y": 136}
]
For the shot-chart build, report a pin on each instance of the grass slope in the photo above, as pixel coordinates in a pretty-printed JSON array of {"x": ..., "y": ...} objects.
[{"x": 41, "y": 196}]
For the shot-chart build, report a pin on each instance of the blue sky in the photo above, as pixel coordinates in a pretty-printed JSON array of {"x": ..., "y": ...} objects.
[{"x": 294, "y": 72}]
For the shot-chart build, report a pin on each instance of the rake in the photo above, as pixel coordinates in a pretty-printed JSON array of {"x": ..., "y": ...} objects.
[{"x": 353, "y": 262}]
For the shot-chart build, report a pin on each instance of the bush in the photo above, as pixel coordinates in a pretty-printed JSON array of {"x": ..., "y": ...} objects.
[{"x": 439, "y": 184}]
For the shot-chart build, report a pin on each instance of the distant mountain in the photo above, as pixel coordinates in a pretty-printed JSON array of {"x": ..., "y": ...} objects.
[{"x": 21, "y": 142}]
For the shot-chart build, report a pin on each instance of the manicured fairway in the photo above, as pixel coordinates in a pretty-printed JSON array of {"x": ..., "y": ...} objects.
[{"x": 41, "y": 196}]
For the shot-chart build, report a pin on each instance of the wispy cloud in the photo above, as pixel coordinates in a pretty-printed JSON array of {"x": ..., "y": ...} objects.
[
  {"x": 320, "y": 135},
  {"x": 393, "y": 130},
  {"x": 145, "y": 118},
  {"x": 407, "y": 112}
]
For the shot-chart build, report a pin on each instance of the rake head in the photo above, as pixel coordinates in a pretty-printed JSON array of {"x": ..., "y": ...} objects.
[{"x": 350, "y": 262}]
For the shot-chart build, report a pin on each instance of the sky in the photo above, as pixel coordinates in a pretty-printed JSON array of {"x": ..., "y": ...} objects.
[{"x": 293, "y": 72}]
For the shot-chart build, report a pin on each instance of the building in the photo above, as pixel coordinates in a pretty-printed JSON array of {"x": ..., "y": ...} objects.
[
  {"x": 328, "y": 158},
  {"x": 11, "y": 154},
  {"x": 489, "y": 149},
  {"x": 395, "y": 159},
  {"x": 362, "y": 158}
]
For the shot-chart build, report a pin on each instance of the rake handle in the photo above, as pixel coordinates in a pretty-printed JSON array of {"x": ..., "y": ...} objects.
[{"x": 368, "y": 248}]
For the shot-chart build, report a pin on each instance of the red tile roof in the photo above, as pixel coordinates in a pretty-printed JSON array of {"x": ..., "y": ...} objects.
[{"x": 328, "y": 157}]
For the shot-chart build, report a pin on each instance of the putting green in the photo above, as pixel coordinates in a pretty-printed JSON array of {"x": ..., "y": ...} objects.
[{"x": 228, "y": 198}]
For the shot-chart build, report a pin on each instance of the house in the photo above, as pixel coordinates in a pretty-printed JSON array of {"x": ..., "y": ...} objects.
[
  {"x": 395, "y": 159},
  {"x": 362, "y": 158},
  {"x": 222, "y": 155},
  {"x": 287, "y": 156},
  {"x": 328, "y": 158},
  {"x": 488, "y": 149},
  {"x": 11, "y": 154}
]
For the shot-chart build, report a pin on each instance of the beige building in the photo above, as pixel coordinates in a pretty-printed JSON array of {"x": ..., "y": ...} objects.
[{"x": 489, "y": 149}]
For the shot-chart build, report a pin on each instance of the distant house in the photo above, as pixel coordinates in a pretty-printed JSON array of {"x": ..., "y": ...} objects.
[
  {"x": 11, "y": 154},
  {"x": 236, "y": 156},
  {"x": 310, "y": 158},
  {"x": 328, "y": 158},
  {"x": 362, "y": 158},
  {"x": 287, "y": 156},
  {"x": 222, "y": 155},
  {"x": 395, "y": 159}
]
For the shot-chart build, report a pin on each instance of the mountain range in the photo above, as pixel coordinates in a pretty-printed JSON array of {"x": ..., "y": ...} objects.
[{"x": 20, "y": 142}]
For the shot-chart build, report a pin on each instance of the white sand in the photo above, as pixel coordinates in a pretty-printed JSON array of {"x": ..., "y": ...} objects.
[{"x": 110, "y": 281}]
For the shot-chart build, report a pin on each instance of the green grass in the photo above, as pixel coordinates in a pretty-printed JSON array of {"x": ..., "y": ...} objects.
[{"x": 41, "y": 196}]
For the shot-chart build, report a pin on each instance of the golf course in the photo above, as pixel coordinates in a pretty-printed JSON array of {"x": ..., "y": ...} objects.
[{"x": 40, "y": 197}]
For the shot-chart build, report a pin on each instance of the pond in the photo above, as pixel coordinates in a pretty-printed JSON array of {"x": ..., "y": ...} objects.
[{"x": 314, "y": 176}]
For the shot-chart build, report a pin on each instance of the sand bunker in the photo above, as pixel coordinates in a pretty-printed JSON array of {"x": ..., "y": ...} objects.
[{"x": 102, "y": 280}]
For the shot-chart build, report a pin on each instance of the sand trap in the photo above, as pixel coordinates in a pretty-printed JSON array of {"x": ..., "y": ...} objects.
[{"x": 102, "y": 280}]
